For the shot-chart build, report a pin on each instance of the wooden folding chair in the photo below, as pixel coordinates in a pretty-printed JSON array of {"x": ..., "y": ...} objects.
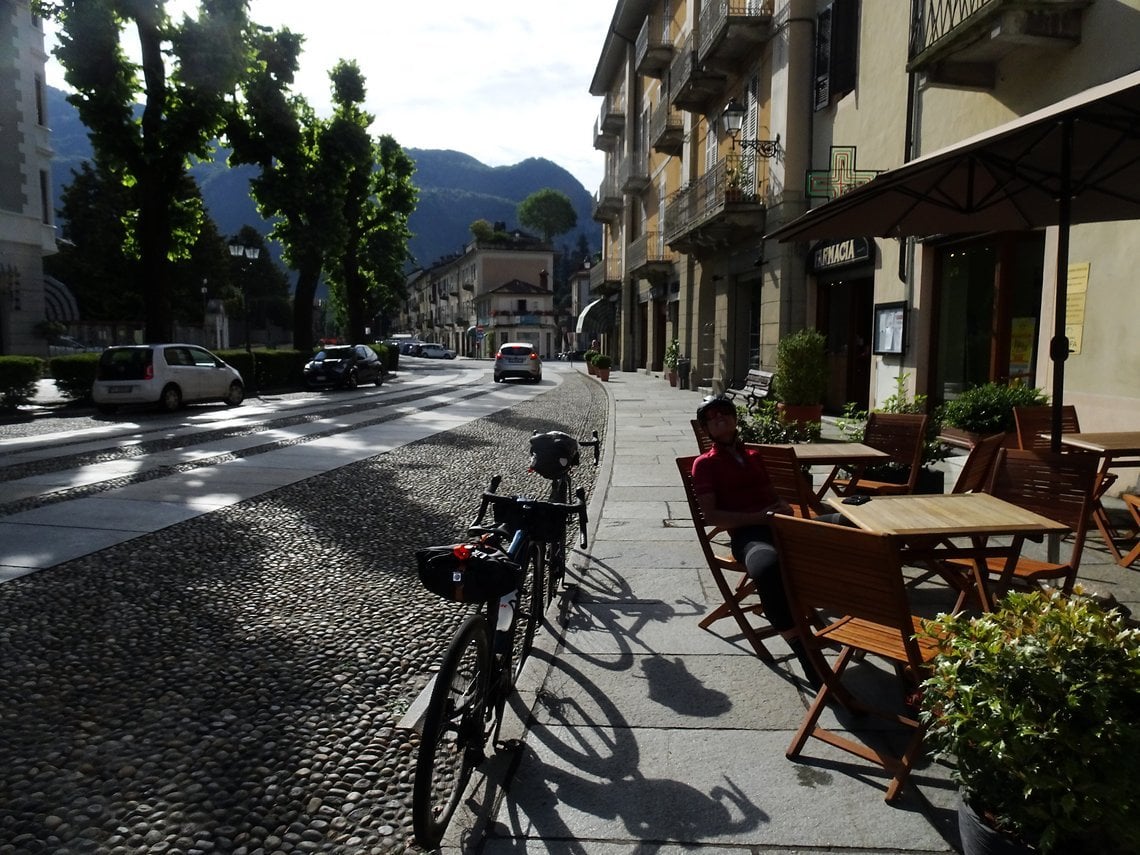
[
  {"x": 704, "y": 441},
  {"x": 976, "y": 471},
  {"x": 846, "y": 589},
  {"x": 902, "y": 436},
  {"x": 1132, "y": 502},
  {"x": 720, "y": 565},
  {"x": 1034, "y": 428},
  {"x": 788, "y": 478},
  {"x": 1057, "y": 486}
]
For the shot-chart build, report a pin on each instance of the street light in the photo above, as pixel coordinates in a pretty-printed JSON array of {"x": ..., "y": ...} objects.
[
  {"x": 733, "y": 118},
  {"x": 250, "y": 253}
]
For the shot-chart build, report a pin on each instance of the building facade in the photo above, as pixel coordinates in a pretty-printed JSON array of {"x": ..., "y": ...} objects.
[
  {"x": 833, "y": 93},
  {"x": 496, "y": 290},
  {"x": 27, "y": 233}
]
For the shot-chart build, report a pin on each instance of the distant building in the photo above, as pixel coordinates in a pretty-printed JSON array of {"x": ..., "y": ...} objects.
[
  {"x": 495, "y": 290},
  {"x": 27, "y": 233}
]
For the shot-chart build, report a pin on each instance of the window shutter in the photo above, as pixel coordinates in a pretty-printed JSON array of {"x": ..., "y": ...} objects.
[
  {"x": 823, "y": 59},
  {"x": 844, "y": 46}
]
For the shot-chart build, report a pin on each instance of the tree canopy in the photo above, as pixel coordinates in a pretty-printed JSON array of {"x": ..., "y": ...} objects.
[{"x": 549, "y": 212}]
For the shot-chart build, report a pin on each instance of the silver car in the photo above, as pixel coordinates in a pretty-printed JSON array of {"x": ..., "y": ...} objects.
[
  {"x": 169, "y": 375},
  {"x": 518, "y": 359}
]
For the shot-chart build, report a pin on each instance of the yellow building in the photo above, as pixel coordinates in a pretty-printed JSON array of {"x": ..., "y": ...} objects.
[{"x": 833, "y": 93}]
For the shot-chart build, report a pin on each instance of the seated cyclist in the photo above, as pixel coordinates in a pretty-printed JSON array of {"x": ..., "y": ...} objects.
[{"x": 735, "y": 493}]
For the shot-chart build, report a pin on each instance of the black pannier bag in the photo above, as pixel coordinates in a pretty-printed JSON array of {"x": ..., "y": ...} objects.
[
  {"x": 481, "y": 577},
  {"x": 541, "y": 521}
]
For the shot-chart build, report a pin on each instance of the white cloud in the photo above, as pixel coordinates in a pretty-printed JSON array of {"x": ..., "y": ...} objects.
[{"x": 500, "y": 81}]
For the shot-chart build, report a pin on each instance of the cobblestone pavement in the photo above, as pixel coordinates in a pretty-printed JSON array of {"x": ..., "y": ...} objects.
[{"x": 231, "y": 684}]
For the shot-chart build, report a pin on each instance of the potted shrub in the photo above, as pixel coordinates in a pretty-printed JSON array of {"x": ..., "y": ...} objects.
[
  {"x": 588, "y": 358},
  {"x": 984, "y": 410},
  {"x": 1036, "y": 703},
  {"x": 801, "y": 375},
  {"x": 602, "y": 365},
  {"x": 672, "y": 354}
]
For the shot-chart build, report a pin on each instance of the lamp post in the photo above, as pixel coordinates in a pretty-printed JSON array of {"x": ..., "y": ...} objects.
[
  {"x": 250, "y": 253},
  {"x": 733, "y": 119}
]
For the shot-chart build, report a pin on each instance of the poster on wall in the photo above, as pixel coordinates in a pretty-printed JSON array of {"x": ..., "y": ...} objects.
[
  {"x": 890, "y": 329},
  {"x": 1022, "y": 332}
]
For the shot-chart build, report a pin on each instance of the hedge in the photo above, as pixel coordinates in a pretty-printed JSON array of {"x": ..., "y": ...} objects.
[
  {"x": 74, "y": 374},
  {"x": 18, "y": 376}
]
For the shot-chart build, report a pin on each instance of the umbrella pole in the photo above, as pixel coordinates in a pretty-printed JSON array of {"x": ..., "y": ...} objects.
[{"x": 1059, "y": 346}]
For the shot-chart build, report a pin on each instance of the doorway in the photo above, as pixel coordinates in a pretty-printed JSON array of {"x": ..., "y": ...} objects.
[{"x": 844, "y": 317}]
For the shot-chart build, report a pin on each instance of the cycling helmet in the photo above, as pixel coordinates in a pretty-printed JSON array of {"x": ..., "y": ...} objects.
[
  {"x": 552, "y": 454},
  {"x": 714, "y": 402}
]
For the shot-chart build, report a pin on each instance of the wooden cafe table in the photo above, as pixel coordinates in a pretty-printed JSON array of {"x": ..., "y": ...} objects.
[
  {"x": 835, "y": 454},
  {"x": 1119, "y": 449},
  {"x": 925, "y": 525}
]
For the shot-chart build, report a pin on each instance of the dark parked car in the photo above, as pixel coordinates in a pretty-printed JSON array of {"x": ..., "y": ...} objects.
[{"x": 344, "y": 366}]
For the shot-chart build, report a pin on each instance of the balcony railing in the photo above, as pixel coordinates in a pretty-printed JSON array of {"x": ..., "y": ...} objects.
[
  {"x": 654, "y": 48},
  {"x": 605, "y": 276},
  {"x": 649, "y": 257},
  {"x": 720, "y": 205},
  {"x": 959, "y": 42},
  {"x": 666, "y": 129},
  {"x": 608, "y": 202},
  {"x": 633, "y": 174},
  {"x": 731, "y": 28},
  {"x": 692, "y": 86}
]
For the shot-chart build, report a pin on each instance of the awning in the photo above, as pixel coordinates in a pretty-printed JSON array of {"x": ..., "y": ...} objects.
[
  {"x": 1077, "y": 161},
  {"x": 597, "y": 317}
]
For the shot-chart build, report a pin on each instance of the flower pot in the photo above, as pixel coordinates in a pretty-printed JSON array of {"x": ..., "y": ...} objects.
[
  {"x": 672, "y": 378},
  {"x": 590, "y": 368},
  {"x": 978, "y": 838},
  {"x": 602, "y": 374}
]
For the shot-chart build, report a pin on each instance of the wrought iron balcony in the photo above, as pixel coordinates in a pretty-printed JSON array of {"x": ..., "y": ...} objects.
[
  {"x": 730, "y": 29},
  {"x": 666, "y": 129},
  {"x": 605, "y": 276},
  {"x": 608, "y": 202},
  {"x": 692, "y": 85},
  {"x": 633, "y": 173},
  {"x": 654, "y": 48},
  {"x": 960, "y": 42},
  {"x": 649, "y": 257},
  {"x": 721, "y": 207}
]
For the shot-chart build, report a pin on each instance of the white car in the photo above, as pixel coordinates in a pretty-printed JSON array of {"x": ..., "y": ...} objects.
[
  {"x": 518, "y": 359},
  {"x": 169, "y": 375},
  {"x": 436, "y": 351}
]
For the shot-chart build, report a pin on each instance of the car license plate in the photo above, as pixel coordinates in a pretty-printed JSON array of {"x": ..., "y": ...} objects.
[
  {"x": 516, "y": 360},
  {"x": 119, "y": 390}
]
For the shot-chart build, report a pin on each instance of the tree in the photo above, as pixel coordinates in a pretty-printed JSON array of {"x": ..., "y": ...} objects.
[
  {"x": 549, "y": 212},
  {"x": 187, "y": 72},
  {"x": 366, "y": 273}
]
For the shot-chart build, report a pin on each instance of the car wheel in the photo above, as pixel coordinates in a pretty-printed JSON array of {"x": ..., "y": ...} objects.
[
  {"x": 107, "y": 409},
  {"x": 236, "y": 394},
  {"x": 498, "y": 379},
  {"x": 379, "y": 381},
  {"x": 171, "y": 399},
  {"x": 538, "y": 379},
  {"x": 350, "y": 380}
]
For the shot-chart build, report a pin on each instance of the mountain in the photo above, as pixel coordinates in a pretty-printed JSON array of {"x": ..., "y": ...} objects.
[{"x": 455, "y": 189}]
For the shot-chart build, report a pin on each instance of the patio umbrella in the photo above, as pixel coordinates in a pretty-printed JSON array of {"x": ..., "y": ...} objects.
[{"x": 1076, "y": 161}]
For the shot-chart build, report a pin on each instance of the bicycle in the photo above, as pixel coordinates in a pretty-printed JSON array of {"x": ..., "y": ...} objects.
[
  {"x": 561, "y": 487},
  {"x": 486, "y": 655}
]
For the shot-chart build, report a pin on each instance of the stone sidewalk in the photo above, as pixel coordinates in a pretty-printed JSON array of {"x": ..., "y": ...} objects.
[{"x": 648, "y": 734}]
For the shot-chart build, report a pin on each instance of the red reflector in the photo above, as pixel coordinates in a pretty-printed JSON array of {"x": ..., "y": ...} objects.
[
  {"x": 534, "y": 356},
  {"x": 462, "y": 551}
]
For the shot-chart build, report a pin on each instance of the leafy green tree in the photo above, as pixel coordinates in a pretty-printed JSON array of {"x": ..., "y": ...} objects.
[
  {"x": 482, "y": 230},
  {"x": 549, "y": 212},
  {"x": 187, "y": 72},
  {"x": 366, "y": 273}
]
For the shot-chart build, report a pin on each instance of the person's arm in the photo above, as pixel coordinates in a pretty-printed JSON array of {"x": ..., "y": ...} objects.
[{"x": 738, "y": 519}]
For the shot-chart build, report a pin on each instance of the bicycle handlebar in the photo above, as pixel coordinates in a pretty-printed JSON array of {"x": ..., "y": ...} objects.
[
  {"x": 593, "y": 443},
  {"x": 528, "y": 503}
]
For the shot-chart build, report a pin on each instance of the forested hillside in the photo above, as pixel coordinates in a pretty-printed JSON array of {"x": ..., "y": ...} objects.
[{"x": 455, "y": 189}]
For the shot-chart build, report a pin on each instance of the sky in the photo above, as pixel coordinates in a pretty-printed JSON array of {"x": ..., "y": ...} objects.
[{"x": 500, "y": 81}]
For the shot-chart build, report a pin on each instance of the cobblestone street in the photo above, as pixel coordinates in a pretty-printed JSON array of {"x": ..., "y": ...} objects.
[{"x": 231, "y": 684}]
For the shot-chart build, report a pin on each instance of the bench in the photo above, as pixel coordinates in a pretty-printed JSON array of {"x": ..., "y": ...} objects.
[{"x": 756, "y": 387}]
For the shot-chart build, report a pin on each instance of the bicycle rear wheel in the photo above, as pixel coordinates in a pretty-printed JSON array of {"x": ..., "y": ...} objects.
[
  {"x": 560, "y": 489},
  {"x": 455, "y": 732}
]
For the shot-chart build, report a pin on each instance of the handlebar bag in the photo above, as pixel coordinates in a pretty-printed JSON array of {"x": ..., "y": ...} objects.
[
  {"x": 483, "y": 576},
  {"x": 543, "y": 521}
]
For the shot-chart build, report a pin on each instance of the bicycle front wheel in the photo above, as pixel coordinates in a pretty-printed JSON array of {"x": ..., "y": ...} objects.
[
  {"x": 529, "y": 608},
  {"x": 556, "y": 553},
  {"x": 455, "y": 732}
]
